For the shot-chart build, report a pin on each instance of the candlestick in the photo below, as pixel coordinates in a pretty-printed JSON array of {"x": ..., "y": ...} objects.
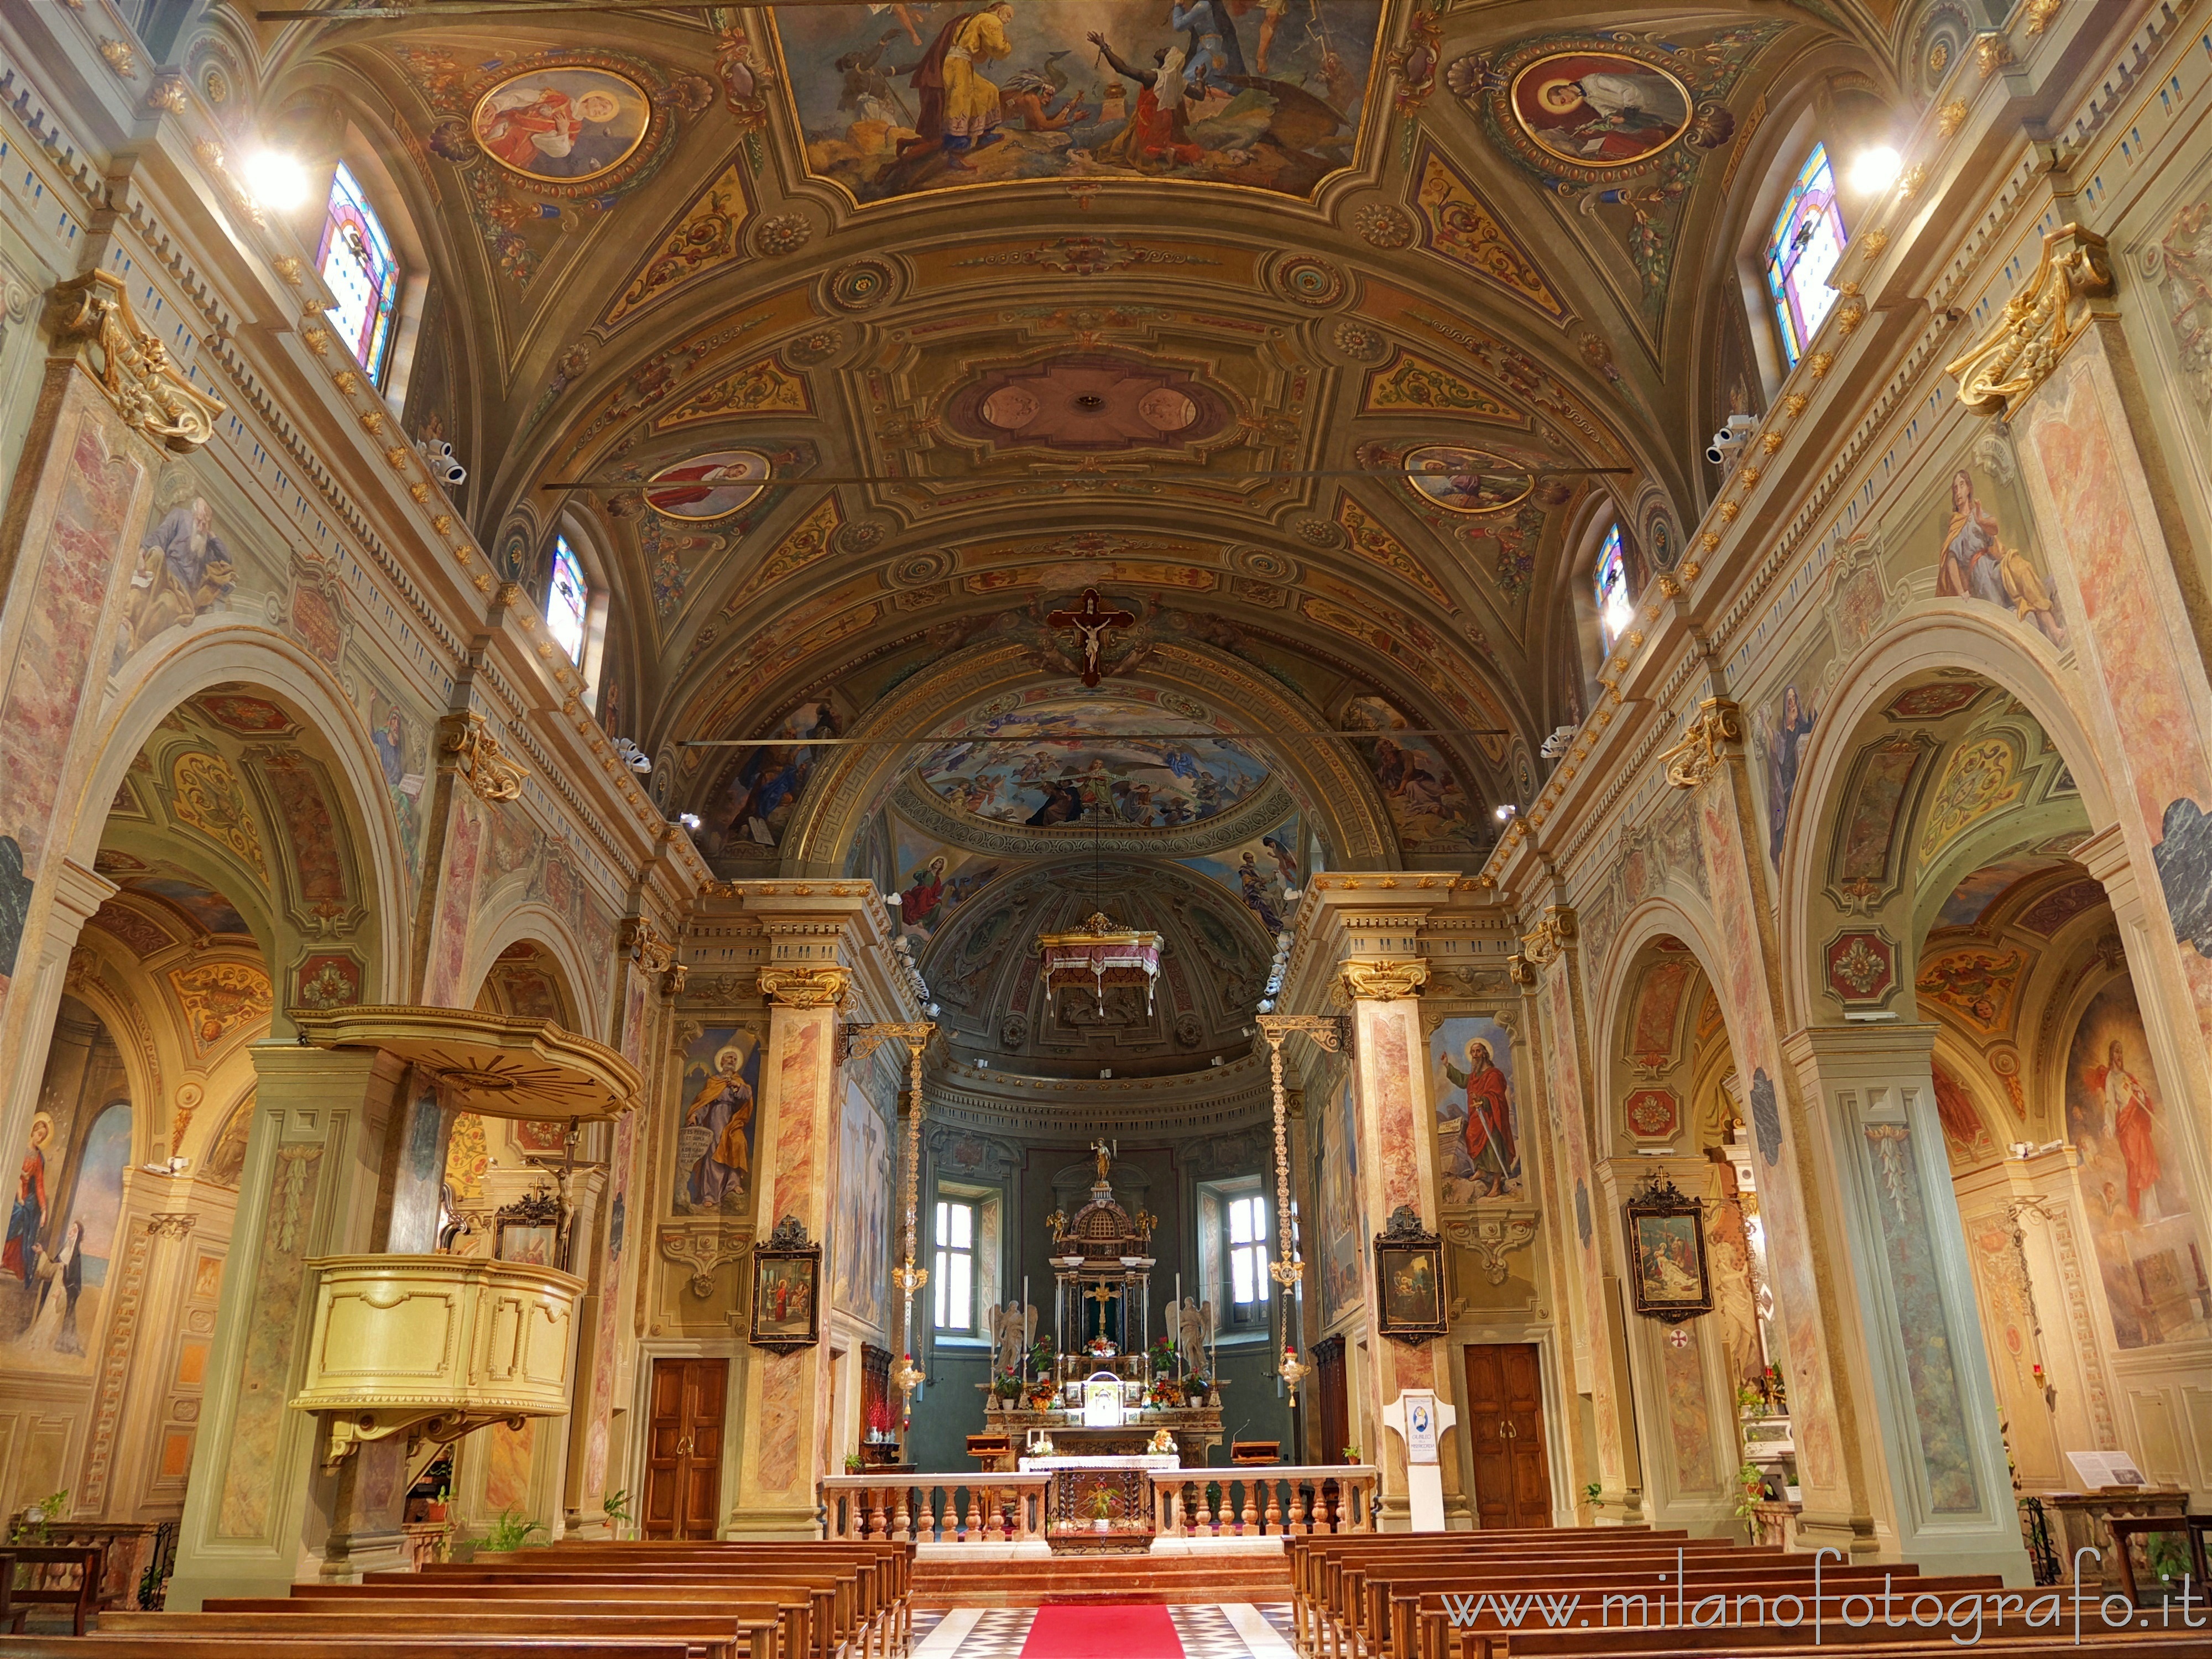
[{"x": 1025, "y": 1320}]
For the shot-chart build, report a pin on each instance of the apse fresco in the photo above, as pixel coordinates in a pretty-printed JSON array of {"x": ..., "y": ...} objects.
[
  {"x": 714, "y": 1136},
  {"x": 932, "y": 879},
  {"x": 2148, "y": 1243},
  {"x": 901, "y": 99},
  {"x": 1428, "y": 805},
  {"x": 209, "y": 909},
  {"x": 1061, "y": 763},
  {"x": 1971, "y": 899},
  {"x": 66, "y": 1202},
  {"x": 1478, "y": 1124},
  {"x": 1263, "y": 872},
  {"x": 860, "y": 1263}
]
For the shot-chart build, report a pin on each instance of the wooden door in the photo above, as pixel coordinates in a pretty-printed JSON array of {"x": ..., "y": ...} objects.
[
  {"x": 1505, "y": 1412},
  {"x": 684, "y": 1452},
  {"x": 1330, "y": 1395}
]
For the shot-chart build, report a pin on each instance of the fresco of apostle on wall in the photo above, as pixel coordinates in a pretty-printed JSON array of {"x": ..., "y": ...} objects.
[
  {"x": 1478, "y": 1130},
  {"x": 896, "y": 99},
  {"x": 67, "y": 1200},
  {"x": 1977, "y": 529},
  {"x": 185, "y": 567},
  {"x": 765, "y": 785},
  {"x": 1427, "y": 803},
  {"x": 2133, "y": 1189},
  {"x": 1342, "y": 1245},
  {"x": 715, "y": 1136}
]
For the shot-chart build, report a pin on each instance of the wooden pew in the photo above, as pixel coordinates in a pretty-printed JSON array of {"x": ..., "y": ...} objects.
[
  {"x": 347, "y": 1646},
  {"x": 81, "y": 1599},
  {"x": 838, "y": 1618},
  {"x": 704, "y": 1638},
  {"x": 800, "y": 1634}
]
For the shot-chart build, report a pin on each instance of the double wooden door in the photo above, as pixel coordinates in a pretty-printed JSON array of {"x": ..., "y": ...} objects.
[
  {"x": 683, "y": 1454},
  {"x": 1505, "y": 1412}
]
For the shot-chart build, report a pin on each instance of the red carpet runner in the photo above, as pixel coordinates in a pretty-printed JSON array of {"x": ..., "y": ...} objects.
[{"x": 1117, "y": 1631}]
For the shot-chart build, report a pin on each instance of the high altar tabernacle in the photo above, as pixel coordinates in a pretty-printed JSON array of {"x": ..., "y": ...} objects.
[{"x": 1111, "y": 1401}]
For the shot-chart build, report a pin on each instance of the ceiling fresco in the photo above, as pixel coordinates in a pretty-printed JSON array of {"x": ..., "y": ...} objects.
[
  {"x": 893, "y": 101},
  {"x": 1075, "y": 762},
  {"x": 855, "y": 342}
]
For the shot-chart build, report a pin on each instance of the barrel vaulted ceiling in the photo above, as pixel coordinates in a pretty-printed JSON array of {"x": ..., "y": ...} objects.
[{"x": 1327, "y": 403}]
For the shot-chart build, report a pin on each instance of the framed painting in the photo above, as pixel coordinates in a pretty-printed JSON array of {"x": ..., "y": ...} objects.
[
  {"x": 1409, "y": 1280},
  {"x": 787, "y": 1291},
  {"x": 1667, "y": 1254},
  {"x": 528, "y": 1232}
]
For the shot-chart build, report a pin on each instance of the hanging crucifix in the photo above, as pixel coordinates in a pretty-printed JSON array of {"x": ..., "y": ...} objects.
[{"x": 1092, "y": 623}]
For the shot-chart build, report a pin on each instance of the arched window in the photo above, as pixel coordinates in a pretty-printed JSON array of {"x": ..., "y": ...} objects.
[
  {"x": 1614, "y": 608},
  {"x": 568, "y": 600},
  {"x": 358, "y": 266},
  {"x": 1809, "y": 238}
]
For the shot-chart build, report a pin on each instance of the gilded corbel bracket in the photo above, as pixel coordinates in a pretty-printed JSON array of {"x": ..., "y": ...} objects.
[
  {"x": 93, "y": 326},
  {"x": 1715, "y": 734},
  {"x": 478, "y": 757},
  {"x": 350, "y": 1432},
  {"x": 2037, "y": 324},
  {"x": 861, "y": 1039},
  {"x": 1551, "y": 935}
]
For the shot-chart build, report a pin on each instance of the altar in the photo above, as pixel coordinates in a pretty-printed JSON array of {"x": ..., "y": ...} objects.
[{"x": 1094, "y": 1504}]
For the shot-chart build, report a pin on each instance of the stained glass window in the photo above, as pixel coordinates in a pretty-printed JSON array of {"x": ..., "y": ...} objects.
[
  {"x": 358, "y": 267},
  {"x": 1615, "y": 607},
  {"x": 1808, "y": 240},
  {"x": 567, "y": 598}
]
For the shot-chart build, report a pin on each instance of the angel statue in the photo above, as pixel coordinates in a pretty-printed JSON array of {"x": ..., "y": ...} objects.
[
  {"x": 1013, "y": 1327},
  {"x": 1191, "y": 1324}
]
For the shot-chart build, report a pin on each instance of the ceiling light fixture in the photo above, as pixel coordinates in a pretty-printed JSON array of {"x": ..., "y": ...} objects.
[
  {"x": 1875, "y": 169},
  {"x": 274, "y": 180}
]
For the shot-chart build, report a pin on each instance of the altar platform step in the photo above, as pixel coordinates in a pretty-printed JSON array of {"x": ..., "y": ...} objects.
[{"x": 1064, "y": 1580}]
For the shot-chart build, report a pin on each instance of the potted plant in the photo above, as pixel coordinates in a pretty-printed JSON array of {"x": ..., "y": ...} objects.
[
  {"x": 1353, "y": 1454},
  {"x": 1752, "y": 1486},
  {"x": 616, "y": 1506},
  {"x": 852, "y": 1463},
  {"x": 1102, "y": 1511},
  {"x": 1008, "y": 1387},
  {"x": 1590, "y": 1495},
  {"x": 435, "y": 1509}
]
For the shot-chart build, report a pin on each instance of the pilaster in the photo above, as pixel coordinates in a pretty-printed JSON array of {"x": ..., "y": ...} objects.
[{"x": 1920, "y": 1349}]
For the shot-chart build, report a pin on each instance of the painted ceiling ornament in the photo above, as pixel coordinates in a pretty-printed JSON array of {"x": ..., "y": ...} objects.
[
  {"x": 1382, "y": 225},
  {"x": 1307, "y": 280},
  {"x": 1088, "y": 401},
  {"x": 704, "y": 239},
  {"x": 1457, "y": 224},
  {"x": 1470, "y": 481},
  {"x": 1590, "y": 113},
  {"x": 716, "y": 485},
  {"x": 781, "y": 233}
]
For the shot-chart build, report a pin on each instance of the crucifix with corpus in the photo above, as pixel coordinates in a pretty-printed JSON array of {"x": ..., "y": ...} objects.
[
  {"x": 1092, "y": 623},
  {"x": 1105, "y": 1296}
]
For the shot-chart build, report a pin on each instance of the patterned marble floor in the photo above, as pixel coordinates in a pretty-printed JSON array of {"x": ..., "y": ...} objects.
[{"x": 1236, "y": 1630}]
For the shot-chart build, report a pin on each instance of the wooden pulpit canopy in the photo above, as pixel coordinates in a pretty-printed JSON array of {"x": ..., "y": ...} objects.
[{"x": 493, "y": 1065}]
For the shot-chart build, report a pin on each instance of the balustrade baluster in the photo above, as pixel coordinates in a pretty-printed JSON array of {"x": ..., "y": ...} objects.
[
  {"x": 1249, "y": 1520},
  {"x": 1275, "y": 1506}
]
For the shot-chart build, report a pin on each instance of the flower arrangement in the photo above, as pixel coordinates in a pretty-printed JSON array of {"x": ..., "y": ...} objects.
[
  {"x": 1007, "y": 1385},
  {"x": 1165, "y": 1391},
  {"x": 1103, "y": 1347}
]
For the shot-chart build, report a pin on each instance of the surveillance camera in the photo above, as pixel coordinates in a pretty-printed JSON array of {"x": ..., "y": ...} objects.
[
  {"x": 438, "y": 456},
  {"x": 633, "y": 757},
  {"x": 1556, "y": 745},
  {"x": 1730, "y": 439}
]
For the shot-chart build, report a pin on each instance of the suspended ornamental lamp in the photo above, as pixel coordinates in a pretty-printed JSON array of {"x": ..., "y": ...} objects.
[{"x": 1099, "y": 953}]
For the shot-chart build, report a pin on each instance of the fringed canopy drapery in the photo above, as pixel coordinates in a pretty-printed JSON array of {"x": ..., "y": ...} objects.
[{"x": 1098, "y": 954}]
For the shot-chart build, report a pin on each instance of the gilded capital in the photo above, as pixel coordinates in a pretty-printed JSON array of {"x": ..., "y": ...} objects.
[
  {"x": 1326, "y": 1029},
  {"x": 1715, "y": 733},
  {"x": 817, "y": 985},
  {"x": 478, "y": 758},
  {"x": 1520, "y": 971},
  {"x": 2037, "y": 324},
  {"x": 1367, "y": 979},
  {"x": 93, "y": 324},
  {"x": 1550, "y": 937}
]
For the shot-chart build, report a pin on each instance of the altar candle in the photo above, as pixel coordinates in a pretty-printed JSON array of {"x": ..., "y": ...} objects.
[
  {"x": 1025, "y": 1310},
  {"x": 1175, "y": 1330}
]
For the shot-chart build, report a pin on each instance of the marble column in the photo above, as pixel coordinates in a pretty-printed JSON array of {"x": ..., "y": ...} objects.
[
  {"x": 260, "y": 1510},
  {"x": 1839, "y": 1473},
  {"x": 75, "y": 508},
  {"x": 818, "y": 934},
  {"x": 1930, "y": 1396},
  {"x": 1374, "y": 931},
  {"x": 76, "y": 894},
  {"x": 1550, "y": 967}
]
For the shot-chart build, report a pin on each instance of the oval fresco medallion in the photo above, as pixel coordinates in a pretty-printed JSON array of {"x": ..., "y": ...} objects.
[
  {"x": 710, "y": 486},
  {"x": 1599, "y": 109},
  {"x": 562, "y": 125},
  {"x": 1463, "y": 480}
]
